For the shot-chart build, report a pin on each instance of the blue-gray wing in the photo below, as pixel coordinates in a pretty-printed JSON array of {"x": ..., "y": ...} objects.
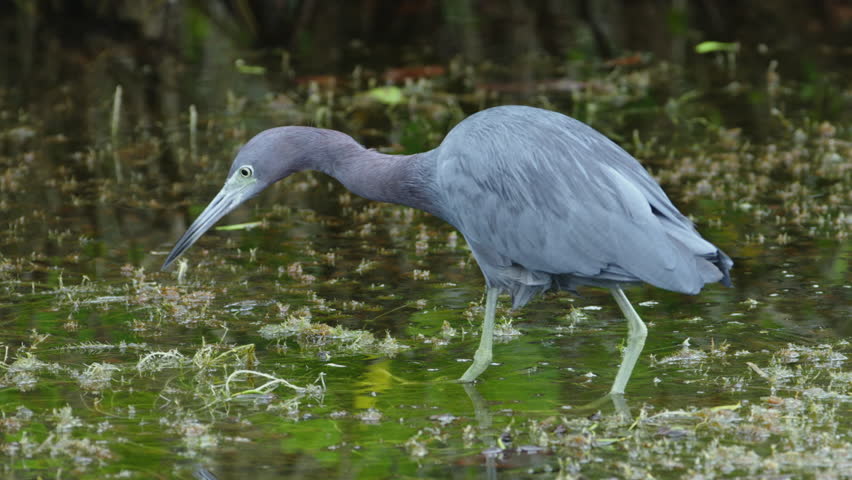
[{"x": 542, "y": 197}]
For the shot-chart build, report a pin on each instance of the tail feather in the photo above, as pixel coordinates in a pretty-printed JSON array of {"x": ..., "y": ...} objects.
[
  {"x": 724, "y": 263},
  {"x": 525, "y": 284}
]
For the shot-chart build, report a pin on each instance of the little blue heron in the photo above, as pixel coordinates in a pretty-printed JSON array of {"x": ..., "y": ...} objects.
[{"x": 543, "y": 200}]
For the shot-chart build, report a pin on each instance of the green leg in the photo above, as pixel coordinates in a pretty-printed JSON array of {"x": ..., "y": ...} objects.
[
  {"x": 636, "y": 333},
  {"x": 482, "y": 358}
]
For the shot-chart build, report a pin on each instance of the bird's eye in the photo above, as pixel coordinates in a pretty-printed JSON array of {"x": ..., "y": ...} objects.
[{"x": 246, "y": 171}]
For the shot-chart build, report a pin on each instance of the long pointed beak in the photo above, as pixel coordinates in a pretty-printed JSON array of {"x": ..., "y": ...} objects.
[{"x": 226, "y": 200}]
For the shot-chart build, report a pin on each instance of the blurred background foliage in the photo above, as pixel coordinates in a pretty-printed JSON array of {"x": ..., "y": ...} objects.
[
  {"x": 168, "y": 55},
  {"x": 522, "y": 41}
]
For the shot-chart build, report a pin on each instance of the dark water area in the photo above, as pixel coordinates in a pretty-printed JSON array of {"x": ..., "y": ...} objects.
[{"x": 319, "y": 334}]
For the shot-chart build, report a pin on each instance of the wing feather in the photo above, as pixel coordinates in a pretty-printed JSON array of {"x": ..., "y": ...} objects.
[{"x": 545, "y": 192}]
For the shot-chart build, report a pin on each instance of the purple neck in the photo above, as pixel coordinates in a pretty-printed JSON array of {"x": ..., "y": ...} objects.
[{"x": 402, "y": 179}]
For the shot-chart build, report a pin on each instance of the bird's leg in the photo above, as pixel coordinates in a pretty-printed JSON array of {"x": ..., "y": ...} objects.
[
  {"x": 636, "y": 333},
  {"x": 482, "y": 357}
]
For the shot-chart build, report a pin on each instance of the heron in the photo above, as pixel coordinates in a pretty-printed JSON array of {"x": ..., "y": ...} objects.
[{"x": 544, "y": 201}]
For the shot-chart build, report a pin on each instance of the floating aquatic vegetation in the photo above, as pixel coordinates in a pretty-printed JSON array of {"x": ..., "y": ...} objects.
[
  {"x": 314, "y": 335},
  {"x": 685, "y": 356},
  {"x": 153, "y": 362},
  {"x": 504, "y": 329},
  {"x": 420, "y": 274},
  {"x": 97, "y": 377},
  {"x": 24, "y": 372},
  {"x": 272, "y": 383}
]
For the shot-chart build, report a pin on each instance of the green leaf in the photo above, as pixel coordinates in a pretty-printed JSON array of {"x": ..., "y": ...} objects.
[
  {"x": 239, "y": 226},
  {"x": 244, "y": 67},
  {"x": 389, "y": 95},
  {"x": 710, "y": 47}
]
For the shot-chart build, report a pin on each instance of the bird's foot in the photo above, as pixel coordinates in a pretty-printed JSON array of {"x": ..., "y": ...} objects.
[{"x": 479, "y": 365}]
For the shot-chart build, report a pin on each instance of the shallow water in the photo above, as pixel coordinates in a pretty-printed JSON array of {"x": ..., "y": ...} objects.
[{"x": 112, "y": 366}]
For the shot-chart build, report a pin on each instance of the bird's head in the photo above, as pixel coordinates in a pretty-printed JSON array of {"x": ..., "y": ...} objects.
[{"x": 268, "y": 157}]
